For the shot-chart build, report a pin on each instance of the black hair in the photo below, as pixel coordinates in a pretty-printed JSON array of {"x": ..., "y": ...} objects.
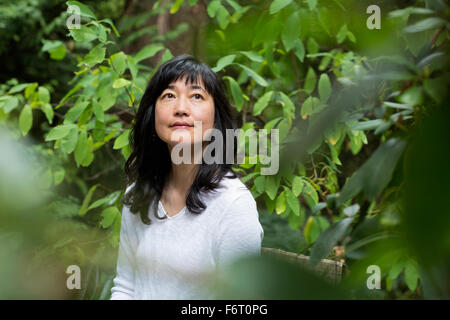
[{"x": 149, "y": 163}]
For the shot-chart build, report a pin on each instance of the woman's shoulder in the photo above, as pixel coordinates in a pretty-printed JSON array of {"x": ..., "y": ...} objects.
[
  {"x": 233, "y": 188},
  {"x": 231, "y": 195}
]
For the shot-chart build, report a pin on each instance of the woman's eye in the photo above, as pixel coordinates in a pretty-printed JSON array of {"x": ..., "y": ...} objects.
[
  {"x": 168, "y": 95},
  {"x": 198, "y": 96}
]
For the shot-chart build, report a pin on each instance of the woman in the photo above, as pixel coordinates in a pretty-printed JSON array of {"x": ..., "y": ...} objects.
[{"x": 194, "y": 218}]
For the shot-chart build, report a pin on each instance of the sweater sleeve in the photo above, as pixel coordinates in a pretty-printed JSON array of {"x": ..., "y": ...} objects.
[
  {"x": 123, "y": 288},
  {"x": 239, "y": 232}
]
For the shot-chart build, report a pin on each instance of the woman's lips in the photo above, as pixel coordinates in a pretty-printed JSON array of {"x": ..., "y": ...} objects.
[{"x": 181, "y": 127}]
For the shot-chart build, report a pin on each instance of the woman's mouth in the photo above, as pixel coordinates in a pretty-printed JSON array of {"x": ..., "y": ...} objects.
[{"x": 181, "y": 125}]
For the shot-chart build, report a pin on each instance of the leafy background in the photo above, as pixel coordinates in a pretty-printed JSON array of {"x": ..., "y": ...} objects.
[{"x": 362, "y": 115}]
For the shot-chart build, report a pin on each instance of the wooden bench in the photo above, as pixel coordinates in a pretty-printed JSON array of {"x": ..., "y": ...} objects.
[{"x": 328, "y": 269}]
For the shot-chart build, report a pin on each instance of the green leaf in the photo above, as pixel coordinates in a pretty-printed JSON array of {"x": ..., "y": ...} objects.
[
  {"x": 310, "y": 194},
  {"x": 223, "y": 17},
  {"x": 293, "y": 202},
  {"x": 288, "y": 105},
  {"x": 25, "y": 119},
  {"x": 299, "y": 50},
  {"x": 291, "y": 31},
  {"x": 310, "y": 81},
  {"x": 280, "y": 205},
  {"x": 126, "y": 152},
  {"x": 334, "y": 154},
  {"x": 56, "y": 49},
  {"x": 119, "y": 62},
  {"x": 426, "y": 24},
  {"x": 44, "y": 95},
  {"x": 310, "y": 106},
  {"x": 262, "y": 103},
  {"x": 108, "y": 21},
  {"x": 259, "y": 80},
  {"x": 277, "y": 5},
  {"x": 109, "y": 215},
  {"x": 133, "y": 67},
  {"x": 324, "y": 87},
  {"x": 109, "y": 199},
  {"x": 75, "y": 111},
  {"x": 122, "y": 140},
  {"x": 435, "y": 88},
  {"x": 84, "y": 34},
  {"x": 294, "y": 221},
  {"x": 271, "y": 185},
  {"x": 121, "y": 82},
  {"x": 59, "y": 132},
  {"x": 270, "y": 204},
  {"x": 374, "y": 175},
  {"x": 87, "y": 200},
  {"x": 312, "y": 229},
  {"x": 297, "y": 185},
  {"x": 328, "y": 239},
  {"x": 98, "y": 111},
  {"x": 30, "y": 90},
  {"x": 9, "y": 103},
  {"x": 259, "y": 183},
  {"x": 48, "y": 111},
  {"x": 396, "y": 269},
  {"x": 236, "y": 92},
  {"x": 312, "y": 4},
  {"x": 85, "y": 11},
  {"x": 367, "y": 125},
  {"x": 176, "y": 6},
  {"x": 90, "y": 155},
  {"x": 342, "y": 34},
  {"x": 351, "y": 36},
  {"x": 397, "y": 105},
  {"x": 18, "y": 88},
  {"x": 81, "y": 148},
  {"x": 252, "y": 56},
  {"x": 69, "y": 142},
  {"x": 213, "y": 7},
  {"x": 58, "y": 175},
  {"x": 148, "y": 52},
  {"x": 224, "y": 62},
  {"x": 411, "y": 276},
  {"x": 313, "y": 46},
  {"x": 412, "y": 96},
  {"x": 96, "y": 55},
  {"x": 355, "y": 142},
  {"x": 98, "y": 203}
]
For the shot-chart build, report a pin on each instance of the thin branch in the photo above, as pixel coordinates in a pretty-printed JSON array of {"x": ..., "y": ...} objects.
[{"x": 99, "y": 174}]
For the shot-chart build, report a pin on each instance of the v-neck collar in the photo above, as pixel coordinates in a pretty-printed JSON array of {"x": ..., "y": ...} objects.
[{"x": 180, "y": 213}]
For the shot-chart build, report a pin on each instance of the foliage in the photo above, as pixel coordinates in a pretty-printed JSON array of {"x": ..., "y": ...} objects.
[{"x": 344, "y": 111}]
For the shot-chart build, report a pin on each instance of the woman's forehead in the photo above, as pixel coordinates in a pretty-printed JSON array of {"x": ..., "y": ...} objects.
[{"x": 188, "y": 83}]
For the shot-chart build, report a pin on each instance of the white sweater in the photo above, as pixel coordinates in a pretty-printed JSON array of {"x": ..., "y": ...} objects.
[{"x": 169, "y": 258}]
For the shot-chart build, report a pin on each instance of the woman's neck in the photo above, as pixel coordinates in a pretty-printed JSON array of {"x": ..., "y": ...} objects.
[{"x": 182, "y": 176}]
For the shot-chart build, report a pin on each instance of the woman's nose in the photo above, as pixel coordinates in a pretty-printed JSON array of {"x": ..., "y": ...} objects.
[{"x": 182, "y": 106}]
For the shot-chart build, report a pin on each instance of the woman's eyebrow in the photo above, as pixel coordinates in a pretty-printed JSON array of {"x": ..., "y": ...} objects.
[
  {"x": 193, "y": 86},
  {"x": 197, "y": 87}
]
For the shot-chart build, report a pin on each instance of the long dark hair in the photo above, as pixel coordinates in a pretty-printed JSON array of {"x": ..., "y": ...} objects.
[{"x": 149, "y": 164}]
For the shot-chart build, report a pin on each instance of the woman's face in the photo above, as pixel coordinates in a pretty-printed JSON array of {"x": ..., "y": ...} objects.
[{"x": 178, "y": 107}]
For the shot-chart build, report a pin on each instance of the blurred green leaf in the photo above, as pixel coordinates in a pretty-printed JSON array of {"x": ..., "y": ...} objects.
[
  {"x": 84, "y": 10},
  {"x": 328, "y": 239},
  {"x": 262, "y": 103},
  {"x": 375, "y": 173},
  {"x": 25, "y": 119},
  {"x": 277, "y": 5}
]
